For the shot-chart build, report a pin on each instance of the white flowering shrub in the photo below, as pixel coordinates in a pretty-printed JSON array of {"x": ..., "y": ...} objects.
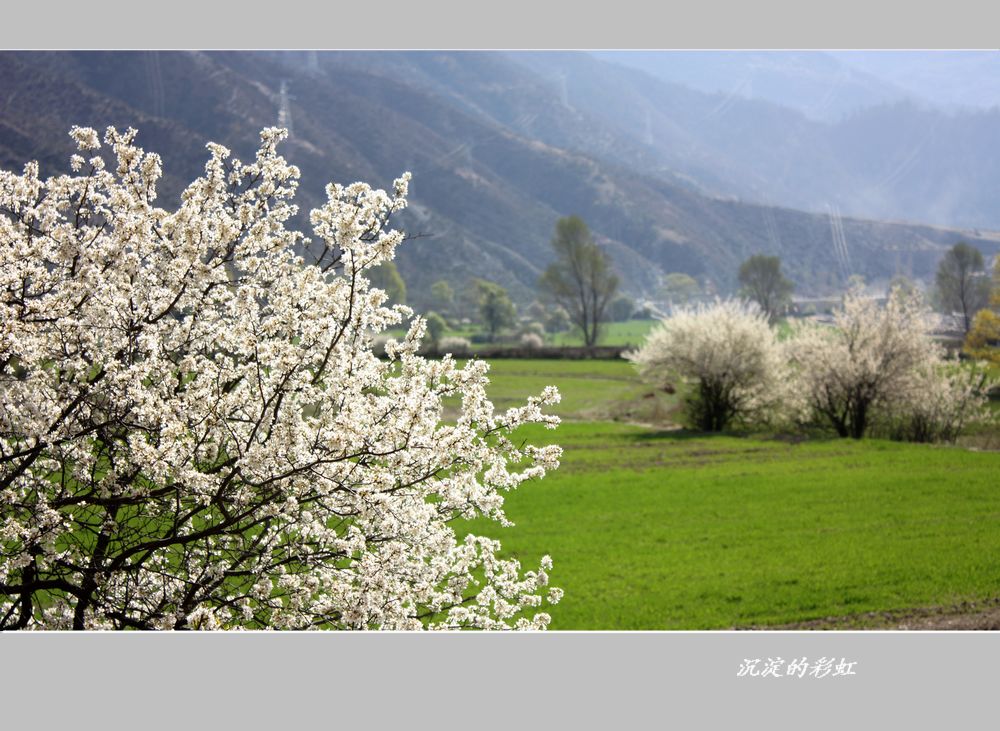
[
  {"x": 878, "y": 365},
  {"x": 195, "y": 432},
  {"x": 946, "y": 398},
  {"x": 532, "y": 340},
  {"x": 455, "y": 345},
  {"x": 729, "y": 356}
]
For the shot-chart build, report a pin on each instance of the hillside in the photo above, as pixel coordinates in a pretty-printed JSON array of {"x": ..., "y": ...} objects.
[
  {"x": 820, "y": 85},
  {"x": 895, "y": 157},
  {"x": 496, "y": 155}
]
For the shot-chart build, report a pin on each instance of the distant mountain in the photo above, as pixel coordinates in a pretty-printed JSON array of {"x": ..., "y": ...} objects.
[
  {"x": 905, "y": 160},
  {"x": 499, "y": 147},
  {"x": 952, "y": 79},
  {"x": 819, "y": 85}
]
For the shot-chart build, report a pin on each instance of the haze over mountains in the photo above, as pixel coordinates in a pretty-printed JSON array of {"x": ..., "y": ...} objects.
[
  {"x": 820, "y": 85},
  {"x": 953, "y": 78},
  {"x": 670, "y": 177},
  {"x": 892, "y": 154},
  {"x": 829, "y": 85}
]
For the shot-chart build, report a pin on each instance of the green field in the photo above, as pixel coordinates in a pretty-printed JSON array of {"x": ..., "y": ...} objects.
[
  {"x": 664, "y": 529},
  {"x": 631, "y": 332},
  {"x": 590, "y": 389}
]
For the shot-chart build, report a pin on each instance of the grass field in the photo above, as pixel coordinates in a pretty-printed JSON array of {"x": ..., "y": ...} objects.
[
  {"x": 663, "y": 529},
  {"x": 631, "y": 332},
  {"x": 590, "y": 389}
]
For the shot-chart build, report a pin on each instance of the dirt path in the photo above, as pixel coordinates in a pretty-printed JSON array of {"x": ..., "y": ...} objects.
[{"x": 984, "y": 615}]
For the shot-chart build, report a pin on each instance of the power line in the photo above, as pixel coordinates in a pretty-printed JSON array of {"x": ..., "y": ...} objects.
[{"x": 285, "y": 108}]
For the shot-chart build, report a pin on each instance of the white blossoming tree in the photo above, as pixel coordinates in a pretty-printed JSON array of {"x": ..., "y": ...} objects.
[
  {"x": 946, "y": 398},
  {"x": 729, "y": 356},
  {"x": 878, "y": 367},
  {"x": 195, "y": 433}
]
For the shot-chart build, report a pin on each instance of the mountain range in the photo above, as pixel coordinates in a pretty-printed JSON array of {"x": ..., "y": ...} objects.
[{"x": 667, "y": 176}]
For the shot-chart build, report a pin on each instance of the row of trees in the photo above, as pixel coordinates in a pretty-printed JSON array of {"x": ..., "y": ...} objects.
[
  {"x": 962, "y": 285},
  {"x": 581, "y": 279},
  {"x": 580, "y": 283},
  {"x": 875, "y": 369}
]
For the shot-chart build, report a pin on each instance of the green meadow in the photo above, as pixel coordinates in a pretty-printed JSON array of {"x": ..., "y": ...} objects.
[
  {"x": 628, "y": 333},
  {"x": 658, "y": 528}
]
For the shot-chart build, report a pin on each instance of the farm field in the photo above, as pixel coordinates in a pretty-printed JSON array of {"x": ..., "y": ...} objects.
[
  {"x": 664, "y": 529},
  {"x": 630, "y": 332},
  {"x": 590, "y": 389}
]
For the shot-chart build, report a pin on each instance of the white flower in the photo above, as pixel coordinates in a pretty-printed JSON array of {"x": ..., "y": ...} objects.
[
  {"x": 878, "y": 365},
  {"x": 196, "y": 410},
  {"x": 729, "y": 354}
]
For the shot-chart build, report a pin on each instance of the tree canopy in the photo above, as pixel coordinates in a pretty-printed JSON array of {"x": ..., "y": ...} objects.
[
  {"x": 962, "y": 285},
  {"x": 730, "y": 355},
  {"x": 879, "y": 367},
  {"x": 495, "y": 307},
  {"x": 620, "y": 308},
  {"x": 580, "y": 279},
  {"x": 386, "y": 277},
  {"x": 195, "y": 432},
  {"x": 443, "y": 296},
  {"x": 763, "y": 282},
  {"x": 679, "y": 288}
]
